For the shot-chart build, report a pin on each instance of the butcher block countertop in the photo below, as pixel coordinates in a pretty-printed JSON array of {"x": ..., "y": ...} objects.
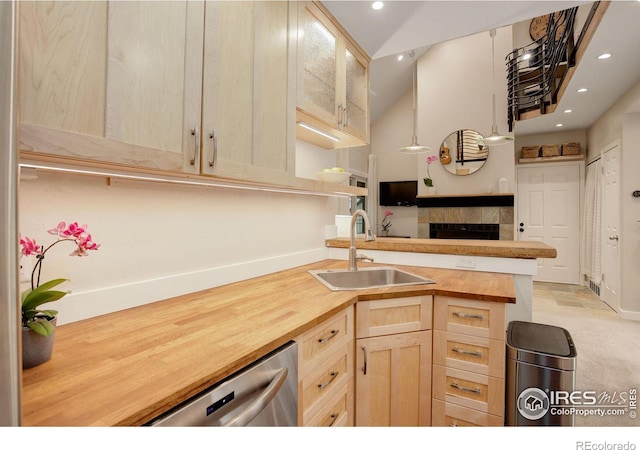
[
  {"x": 128, "y": 367},
  {"x": 496, "y": 248}
]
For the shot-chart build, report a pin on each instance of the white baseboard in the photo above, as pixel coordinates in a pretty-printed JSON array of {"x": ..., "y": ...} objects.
[{"x": 85, "y": 304}]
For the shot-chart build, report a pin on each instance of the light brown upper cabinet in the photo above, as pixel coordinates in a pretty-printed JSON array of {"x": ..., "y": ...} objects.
[
  {"x": 333, "y": 82},
  {"x": 111, "y": 82},
  {"x": 126, "y": 84}
]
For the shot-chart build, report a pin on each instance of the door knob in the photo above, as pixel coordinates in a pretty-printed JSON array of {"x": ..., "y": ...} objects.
[
  {"x": 521, "y": 230},
  {"x": 521, "y": 224},
  {"x": 613, "y": 238}
]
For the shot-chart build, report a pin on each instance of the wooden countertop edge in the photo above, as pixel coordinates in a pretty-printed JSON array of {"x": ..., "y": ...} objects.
[
  {"x": 158, "y": 408},
  {"x": 500, "y": 249}
]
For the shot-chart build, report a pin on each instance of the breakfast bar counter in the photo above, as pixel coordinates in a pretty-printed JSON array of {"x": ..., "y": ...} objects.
[{"x": 490, "y": 248}]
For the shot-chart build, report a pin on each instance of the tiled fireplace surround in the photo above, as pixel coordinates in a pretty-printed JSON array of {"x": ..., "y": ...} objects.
[{"x": 467, "y": 209}]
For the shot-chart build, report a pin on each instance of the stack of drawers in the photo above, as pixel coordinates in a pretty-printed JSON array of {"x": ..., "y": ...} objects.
[
  {"x": 468, "y": 362},
  {"x": 325, "y": 373}
]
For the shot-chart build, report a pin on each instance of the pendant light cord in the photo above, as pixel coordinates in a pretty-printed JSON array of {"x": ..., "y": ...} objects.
[
  {"x": 493, "y": 79},
  {"x": 414, "y": 139}
]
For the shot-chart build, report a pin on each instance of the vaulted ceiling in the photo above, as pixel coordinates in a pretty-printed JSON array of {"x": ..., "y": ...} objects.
[{"x": 405, "y": 25}]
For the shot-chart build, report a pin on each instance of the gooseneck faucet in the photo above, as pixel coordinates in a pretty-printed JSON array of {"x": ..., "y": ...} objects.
[{"x": 369, "y": 236}]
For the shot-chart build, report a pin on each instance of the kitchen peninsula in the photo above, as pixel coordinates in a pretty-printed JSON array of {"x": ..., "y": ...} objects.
[{"x": 518, "y": 258}]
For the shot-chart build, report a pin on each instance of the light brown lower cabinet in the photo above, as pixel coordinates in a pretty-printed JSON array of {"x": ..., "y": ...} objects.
[
  {"x": 393, "y": 380},
  {"x": 393, "y": 362},
  {"x": 468, "y": 362},
  {"x": 325, "y": 372},
  {"x": 452, "y": 415}
]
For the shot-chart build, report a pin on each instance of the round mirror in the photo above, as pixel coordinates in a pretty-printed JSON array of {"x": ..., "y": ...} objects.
[{"x": 463, "y": 152}]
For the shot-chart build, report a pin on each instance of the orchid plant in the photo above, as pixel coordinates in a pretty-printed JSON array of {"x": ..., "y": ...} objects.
[
  {"x": 40, "y": 320},
  {"x": 386, "y": 222},
  {"x": 428, "y": 181}
]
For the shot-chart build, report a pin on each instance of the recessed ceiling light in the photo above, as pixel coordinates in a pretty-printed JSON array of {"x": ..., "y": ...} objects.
[
  {"x": 377, "y": 5},
  {"x": 559, "y": 125},
  {"x": 400, "y": 57},
  {"x": 582, "y": 90},
  {"x": 567, "y": 111},
  {"x": 605, "y": 56}
]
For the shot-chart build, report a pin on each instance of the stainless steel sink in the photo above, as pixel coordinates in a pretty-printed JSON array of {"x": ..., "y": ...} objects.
[{"x": 368, "y": 277}]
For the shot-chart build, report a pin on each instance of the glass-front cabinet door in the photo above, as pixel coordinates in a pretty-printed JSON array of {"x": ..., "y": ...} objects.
[
  {"x": 317, "y": 84},
  {"x": 356, "y": 94},
  {"x": 333, "y": 82}
]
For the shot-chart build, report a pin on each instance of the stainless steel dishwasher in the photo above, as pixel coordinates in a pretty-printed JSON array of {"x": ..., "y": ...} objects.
[{"x": 262, "y": 394}]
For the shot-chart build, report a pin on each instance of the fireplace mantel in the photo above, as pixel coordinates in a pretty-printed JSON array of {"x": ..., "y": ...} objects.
[{"x": 464, "y": 200}]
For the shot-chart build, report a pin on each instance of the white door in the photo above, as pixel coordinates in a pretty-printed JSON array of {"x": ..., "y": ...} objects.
[
  {"x": 611, "y": 227},
  {"x": 549, "y": 212}
]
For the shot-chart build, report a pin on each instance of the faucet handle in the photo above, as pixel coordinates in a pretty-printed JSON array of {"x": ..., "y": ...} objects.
[{"x": 362, "y": 257}]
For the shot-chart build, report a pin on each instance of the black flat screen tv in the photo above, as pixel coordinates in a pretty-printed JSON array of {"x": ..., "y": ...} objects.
[{"x": 398, "y": 193}]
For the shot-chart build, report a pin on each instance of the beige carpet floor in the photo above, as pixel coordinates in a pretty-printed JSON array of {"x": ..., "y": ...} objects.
[{"x": 608, "y": 347}]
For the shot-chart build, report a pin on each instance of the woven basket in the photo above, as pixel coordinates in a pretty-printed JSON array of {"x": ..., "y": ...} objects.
[
  {"x": 571, "y": 148},
  {"x": 530, "y": 152},
  {"x": 550, "y": 150}
]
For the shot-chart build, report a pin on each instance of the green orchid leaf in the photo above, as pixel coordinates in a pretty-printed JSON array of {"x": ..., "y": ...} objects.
[
  {"x": 50, "y": 284},
  {"x": 35, "y": 300},
  {"x": 42, "y": 294},
  {"x": 43, "y": 328}
]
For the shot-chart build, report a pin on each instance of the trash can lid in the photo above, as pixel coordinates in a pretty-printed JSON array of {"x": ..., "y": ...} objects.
[{"x": 541, "y": 344}]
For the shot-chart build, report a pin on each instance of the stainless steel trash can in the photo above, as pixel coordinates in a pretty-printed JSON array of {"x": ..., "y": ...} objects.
[{"x": 541, "y": 365}]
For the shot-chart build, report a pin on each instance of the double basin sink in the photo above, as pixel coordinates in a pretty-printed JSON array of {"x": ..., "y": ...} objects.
[{"x": 366, "y": 278}]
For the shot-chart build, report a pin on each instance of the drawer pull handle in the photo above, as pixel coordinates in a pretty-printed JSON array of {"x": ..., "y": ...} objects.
[
  {"x": 466, "y": 352},
  {"x": 214, "y": 148},
  {"x": 333, "y": 418},
  {"x": 466, "y": 389},
  {"x": 195, "y": 132},
  {"x": 333, "y": 334},
  {"x": 333, "y": 377},
  {"x": 468, "y": 316},
  {"x": 364, "y": 366}
]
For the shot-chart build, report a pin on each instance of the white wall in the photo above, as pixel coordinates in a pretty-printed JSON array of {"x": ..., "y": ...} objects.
[
  {"x": 622, "y": 122},
  {"x": 454, "y": 92},
  {"x": 159, "y": 241}
]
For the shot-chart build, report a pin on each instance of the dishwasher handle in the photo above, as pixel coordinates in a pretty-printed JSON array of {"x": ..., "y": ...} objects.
[{"x": 250, "y": 412}]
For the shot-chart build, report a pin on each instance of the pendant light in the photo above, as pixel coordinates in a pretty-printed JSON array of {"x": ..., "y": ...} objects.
[
  {"x": 495, "y": 138},
  {"x": 414, "y": 148}
]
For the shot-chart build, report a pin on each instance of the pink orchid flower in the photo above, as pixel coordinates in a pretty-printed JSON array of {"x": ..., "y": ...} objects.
[
  {"x": 84, "y": 243},
  {"x": 29, "y": 247},
  {"x": 72, "y": 232},
  {"x": 388, "y": 213},
  {"x": 431, "y": 159}
]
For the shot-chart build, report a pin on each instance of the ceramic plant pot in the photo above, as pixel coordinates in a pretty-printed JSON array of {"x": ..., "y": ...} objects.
[{"x": 36, "y": 349}]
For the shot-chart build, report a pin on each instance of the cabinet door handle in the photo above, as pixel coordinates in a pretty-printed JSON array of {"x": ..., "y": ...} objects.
[
  {"x": 468, "y": 316},
  {"x": 340, "y": 114},
  {"x": 466, "y": 352},
  {"x": 214, "y": 148},
  {"x": 195, "y": 132},
  {"x": 332, "y": 334},
  {"x": 466, "y": 389},
  {"x": 364, "y": 366},
  {"x": 333, "y": 418},
  {"x": 334, "y": 375},
  {"x": 345, "y": 123}
]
